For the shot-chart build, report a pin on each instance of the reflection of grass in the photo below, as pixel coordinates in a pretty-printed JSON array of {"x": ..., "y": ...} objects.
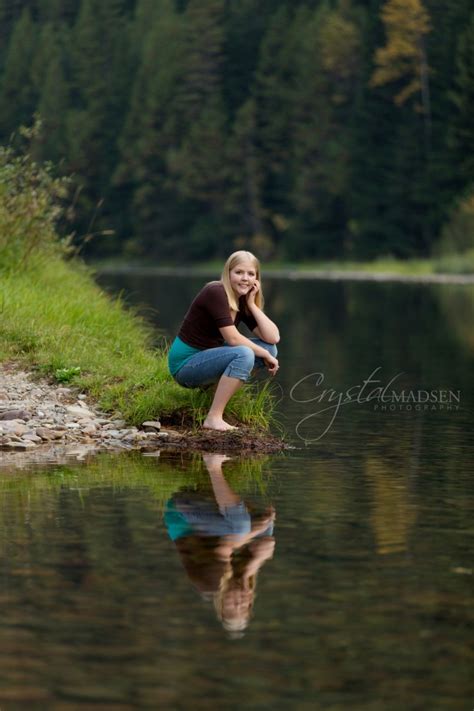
[{"x": 160, "y": 476}]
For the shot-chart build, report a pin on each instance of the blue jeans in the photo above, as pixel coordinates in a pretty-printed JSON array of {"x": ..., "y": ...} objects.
[{"x": 207, "y": 366}]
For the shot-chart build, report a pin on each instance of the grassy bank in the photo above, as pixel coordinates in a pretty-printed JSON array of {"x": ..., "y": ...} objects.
[{"x": 56, "y": 320}]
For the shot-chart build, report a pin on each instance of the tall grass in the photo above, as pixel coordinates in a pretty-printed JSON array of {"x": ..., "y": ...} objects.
[{"x": 55, "y": 318}]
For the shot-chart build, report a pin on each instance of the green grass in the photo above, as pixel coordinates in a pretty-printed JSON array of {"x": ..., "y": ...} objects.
[{"x": 54, "y": 318}]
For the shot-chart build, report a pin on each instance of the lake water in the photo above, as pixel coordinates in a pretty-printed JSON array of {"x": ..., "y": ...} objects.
[{"x": 336, "y": 576}]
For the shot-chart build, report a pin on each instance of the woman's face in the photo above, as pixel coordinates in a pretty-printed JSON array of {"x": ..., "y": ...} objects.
[{"x": 242, "y": 277}]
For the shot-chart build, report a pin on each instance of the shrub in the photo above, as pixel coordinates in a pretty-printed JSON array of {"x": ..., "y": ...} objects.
[{"x": 30, "y": 207}]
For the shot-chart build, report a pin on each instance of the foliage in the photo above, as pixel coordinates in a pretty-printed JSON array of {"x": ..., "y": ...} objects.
[
  {"x": 407, "y": 22},
  {"x": 323, "y": 129},
  {"x": 66, "y": 375},
  {"x": 29, "y": 209},
  {"x": 457, "y": 236},
  {"x": 462, "y": 96}
]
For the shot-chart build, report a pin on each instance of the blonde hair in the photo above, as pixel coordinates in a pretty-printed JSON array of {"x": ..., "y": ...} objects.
[
  {"x": 241, "y": 256},
  {"x": 228, "y": 586}
]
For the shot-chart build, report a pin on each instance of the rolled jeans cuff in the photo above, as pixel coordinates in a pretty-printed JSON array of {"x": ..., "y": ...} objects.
[{"x": 233, "y": 371}]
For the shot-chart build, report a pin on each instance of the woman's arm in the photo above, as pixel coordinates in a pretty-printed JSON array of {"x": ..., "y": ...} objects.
[
  {"x": 233, "y": 337},
  {"x": 267, "y": 330}
]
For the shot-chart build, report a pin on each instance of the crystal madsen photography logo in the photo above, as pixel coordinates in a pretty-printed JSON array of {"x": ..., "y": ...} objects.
[{"x": 383, "y": 398}]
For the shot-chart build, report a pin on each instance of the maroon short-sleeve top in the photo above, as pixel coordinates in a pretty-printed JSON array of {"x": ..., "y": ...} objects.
[{"x": 208, "y": 312}]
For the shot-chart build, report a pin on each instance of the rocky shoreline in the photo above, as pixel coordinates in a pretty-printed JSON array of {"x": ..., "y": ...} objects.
[{"x": 45, "y": 421}]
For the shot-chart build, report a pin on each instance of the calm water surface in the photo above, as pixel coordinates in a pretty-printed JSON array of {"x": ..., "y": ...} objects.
[{"x": 336, "y": 576}]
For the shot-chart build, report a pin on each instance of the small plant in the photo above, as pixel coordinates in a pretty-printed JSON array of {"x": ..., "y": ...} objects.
[{"x": 66, "y": 375}]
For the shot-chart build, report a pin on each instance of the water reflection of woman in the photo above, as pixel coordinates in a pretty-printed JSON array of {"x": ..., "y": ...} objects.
[{"x": 221, "y": 547}]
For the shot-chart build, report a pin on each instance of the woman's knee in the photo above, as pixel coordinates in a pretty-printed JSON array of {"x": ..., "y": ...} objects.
[
  {"x": 272, "y": 349},
  {"x": 241, "y": 364},
  {"x": 245, "y": 355}
]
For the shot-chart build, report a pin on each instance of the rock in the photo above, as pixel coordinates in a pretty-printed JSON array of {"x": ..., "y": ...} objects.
[
  {"x": 31, "y": 437},
  {"x": 171, "y": 434},
  {"x": 47, "y": 434},
  {"x": 63, "y": 394},
  {"x": 18, "y": 446},
  {"x": 151, "y": 426},
  {"x": 14, "y": 415},
  {"x": 90, "y": 429},
  {"x": 84, "y": 421},
  {"x": 14, "y": 427},
  {"x": 79, "y": 411},
  {"x": 129, "y": 437}
]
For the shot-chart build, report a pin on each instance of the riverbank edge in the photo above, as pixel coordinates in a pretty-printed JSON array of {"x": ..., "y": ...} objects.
[{"x": 44, "y": 421}]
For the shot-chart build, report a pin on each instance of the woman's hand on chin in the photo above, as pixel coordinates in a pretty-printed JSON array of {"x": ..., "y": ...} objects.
[{"x": 252, "y": 293}]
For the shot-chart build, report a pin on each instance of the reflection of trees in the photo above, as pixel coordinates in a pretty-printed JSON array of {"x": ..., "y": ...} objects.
[
  {"x": 347, "y": 328},
  {"x": 457, "y": 306},
  {"x": 393, "y": 510}
]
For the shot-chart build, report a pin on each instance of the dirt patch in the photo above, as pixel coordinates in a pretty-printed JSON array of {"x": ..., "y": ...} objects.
[{"x": 243, "y": 440}]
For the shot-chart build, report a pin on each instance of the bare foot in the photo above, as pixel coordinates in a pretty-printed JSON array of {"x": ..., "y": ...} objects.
[
  {"x": 211, "y": 458},
  {"x": 217, "y": 423}
]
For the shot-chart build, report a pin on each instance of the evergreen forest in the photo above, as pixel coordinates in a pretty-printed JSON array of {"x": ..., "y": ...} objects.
[{"x": 299, "y": 129}]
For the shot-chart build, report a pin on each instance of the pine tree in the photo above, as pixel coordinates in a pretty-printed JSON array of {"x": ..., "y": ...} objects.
[
  {"x": 17, "y": 94},
  {"x": 10, "y": 11},
  {"x": 58, "y": 11},
  {"x": 274, "y": 96},
  {"x": 328, "y": 68},
  {"x": 100, "y": 85},
  {"x": 245, "y": 23},
  {"x": 52, "y": 144},
  {"x": 46, "y": 49},
  {"x": 204, "y": 37},
  {"x": 244, "y": 200},
  {"x": 151, "y": 132},
  {"x": 403, "y": 59},
  {"x": 462, "y": 127}
]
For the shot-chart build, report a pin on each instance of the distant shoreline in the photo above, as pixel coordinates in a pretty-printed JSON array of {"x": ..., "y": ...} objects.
[{"x": 291, "y": 274}]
